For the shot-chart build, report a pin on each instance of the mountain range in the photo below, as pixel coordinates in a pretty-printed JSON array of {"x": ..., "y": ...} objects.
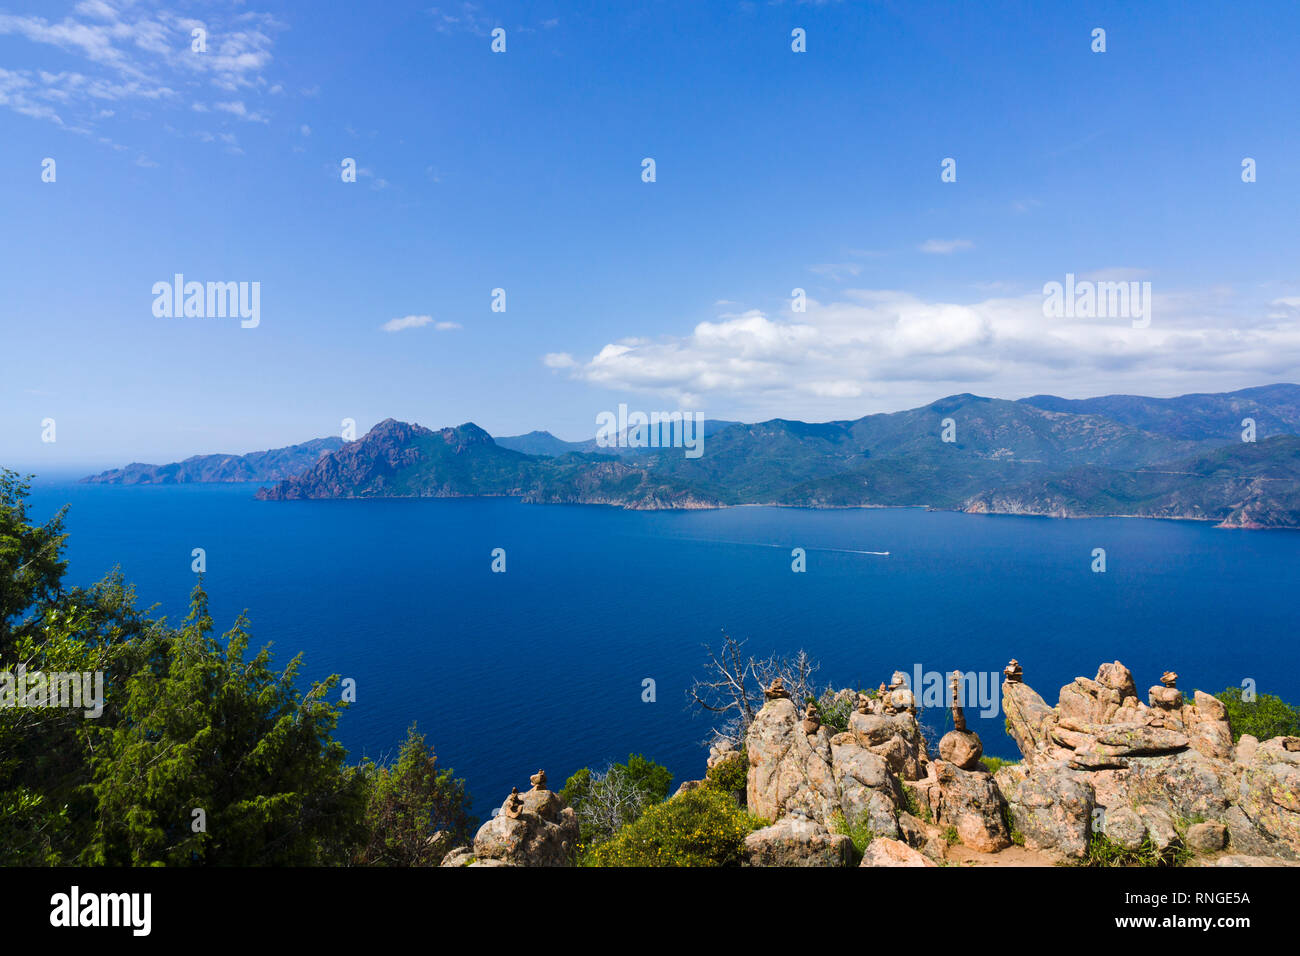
[
  {"x": 272, "y": 465},
  {"x": 1184, "y": 457},
  {"x": 544, "y": 443}
]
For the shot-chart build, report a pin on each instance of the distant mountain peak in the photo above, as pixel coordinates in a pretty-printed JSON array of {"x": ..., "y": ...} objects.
[{"x": 393, "y": 427}]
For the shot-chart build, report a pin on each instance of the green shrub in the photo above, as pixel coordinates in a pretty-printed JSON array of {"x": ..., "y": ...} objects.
[
  {"x": 1264, "y": 717},
  {"x": 1017, "y": 837},
  {"x": 912, "y": 804},
  {"x": 652, "y": 779},
  {"x": 703, "y": 827},
  {"x": 731, "y": 774},
  {"x": 859, "y": 832},
  {"x": 836, "y": 709},
  {"x": 1103, "y": 852},
  {"x": 994, "y": 764},
  {"x": 577, "y": 787}
]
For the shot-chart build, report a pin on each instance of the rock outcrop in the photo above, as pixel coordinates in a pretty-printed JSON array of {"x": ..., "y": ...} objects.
[
  {"x": 857, "y": 777},
  {"x": 1161, "y": 776},
  {"x": 797, "y": 766},
  {"x": 789, "y": 769},
  {"x": 1103, "y": 761},
  {"x": 795, "y": 840},
  {"x": 886, "y": 852},
  {"x": 969, "y": 802},
  {"x": 531, "y": 829},
  {"x": 1050, "y": 807},
  {"x": 959, "y": 792}
]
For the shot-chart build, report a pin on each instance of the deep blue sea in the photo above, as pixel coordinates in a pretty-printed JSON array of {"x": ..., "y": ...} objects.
[{"x": 542, "y": 666}]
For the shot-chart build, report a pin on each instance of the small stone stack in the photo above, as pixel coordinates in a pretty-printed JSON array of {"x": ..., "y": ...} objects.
[
  {"x": 960, "y": 746},
  {"x": 812, "y": 718},
  {"x": 776, "y": 691},
  {"x": 1166, "y": 695}
]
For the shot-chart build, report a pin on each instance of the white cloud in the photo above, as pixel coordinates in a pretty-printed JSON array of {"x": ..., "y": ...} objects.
[
  {"x": 878, "y": 350},
  {"x": 17, "y": 91},
  {"x": 943, "y": 247},
  {"x": 237, "y": 108},
  {"x": 406, "y": 322},
  {"x": 463, "y": 16},
  {"x": 416, "y": 322},
  {"x": 134, "y": 50},
  {"x": 1285, "y": 308}
]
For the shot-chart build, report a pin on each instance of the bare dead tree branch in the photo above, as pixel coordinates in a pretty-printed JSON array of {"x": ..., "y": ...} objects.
[
  {"x": 733, "y": 685},
  {"x": 613, "y": 800}
]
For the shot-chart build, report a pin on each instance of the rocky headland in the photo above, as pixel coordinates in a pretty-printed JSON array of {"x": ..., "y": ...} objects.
[{"x": 272, "y": 465}]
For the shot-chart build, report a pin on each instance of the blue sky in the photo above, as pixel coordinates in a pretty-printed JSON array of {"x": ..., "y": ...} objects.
[{"x": 775, "y": 170}]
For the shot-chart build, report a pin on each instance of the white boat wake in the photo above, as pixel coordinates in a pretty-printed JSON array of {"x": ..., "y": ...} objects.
[{"x": 764, "y": 544}]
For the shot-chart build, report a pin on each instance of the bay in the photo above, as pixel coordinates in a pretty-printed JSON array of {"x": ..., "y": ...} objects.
[{"x": 543, "y": 666}]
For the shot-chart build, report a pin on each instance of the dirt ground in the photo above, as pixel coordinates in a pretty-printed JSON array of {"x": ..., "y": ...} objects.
[{"x": 1012, "y": 856}]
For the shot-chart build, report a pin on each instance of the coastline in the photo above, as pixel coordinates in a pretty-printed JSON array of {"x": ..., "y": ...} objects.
[{"x": 1222, "y": 524}]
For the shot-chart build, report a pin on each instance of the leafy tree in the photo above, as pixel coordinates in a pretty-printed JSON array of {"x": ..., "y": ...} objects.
[
  {"x": 577, "y": 787},
  {"x": 31, "y": 564},
  {"x": 1264, "y": 717},
  {"x": 210, "y": 731},
  {"x": 45, "y": 812},
  {"x": 416, "y": 812},
  {"x": 653, "y": 779}
]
